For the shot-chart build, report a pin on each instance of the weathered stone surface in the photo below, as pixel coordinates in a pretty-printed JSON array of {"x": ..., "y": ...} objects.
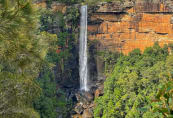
[
  {"x": 87, "y": 113},
  {"x": 88, "y": 96},
  {"x": 98, "y": 93},
  {"x": 85, "y": 97},
  {"x": 41, "y": 4},
  {"x": 59, "y": 7},
  {"x": 77, "y": 116},
  {"x": 114, "y": 7},
  {"x": 136, "y": 25},
  {"x": 78, "y": 109}
]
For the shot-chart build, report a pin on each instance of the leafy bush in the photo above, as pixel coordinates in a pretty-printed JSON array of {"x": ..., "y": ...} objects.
[
  {"x": 52, "y": 98},
  {"x": 133, "y": 84},
  {"x": 46, "y": 104},
  {"x": 110, "y": 59},
  {"x": 162, "y": 106}
]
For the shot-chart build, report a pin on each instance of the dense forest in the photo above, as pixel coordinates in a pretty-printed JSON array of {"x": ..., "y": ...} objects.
[
  {"x": 131, "y": 89},
  {"x": 33, "y": 54},
  {"x": 39, "y": 67}
]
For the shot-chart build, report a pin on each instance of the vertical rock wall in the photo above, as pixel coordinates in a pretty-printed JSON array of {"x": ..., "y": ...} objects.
[{"x": 130, "y": 25}]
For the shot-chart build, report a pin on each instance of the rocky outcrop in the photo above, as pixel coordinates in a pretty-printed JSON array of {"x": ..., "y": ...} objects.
[
  {"x": 41, "y": 3},
  {"x": 84, "y": 107},
  {"x": 85, "y": 101},
  {"x": 130, "y": 25},
  {"x": 59, "y": 7}
]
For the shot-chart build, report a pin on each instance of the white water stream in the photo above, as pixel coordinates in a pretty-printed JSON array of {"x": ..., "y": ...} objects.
[{"x": 83, "y": 59}]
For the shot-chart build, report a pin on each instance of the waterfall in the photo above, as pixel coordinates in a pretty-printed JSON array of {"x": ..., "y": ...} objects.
[{"x": 83, "y": 61}]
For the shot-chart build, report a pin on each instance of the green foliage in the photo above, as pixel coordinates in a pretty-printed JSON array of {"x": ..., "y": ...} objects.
[
  {"x": 46, "y": 104},
  {"x": 133, "y": 84},
  {"x": 22, "y": 54},
  {"x": 51, "y": 21},
  {"x": 17, "y": 94},
  {"x": 63, "y": 25},
  {"x": 67, "y": 2},
  {"x": 163, "y": 104},
  {"x": 110, "y": 59},
  {"x": 52, "y": 102},
  {"x": 72, "y": 17}
]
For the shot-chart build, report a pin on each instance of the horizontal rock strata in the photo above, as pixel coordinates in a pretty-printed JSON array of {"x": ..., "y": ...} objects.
[{"x": 130, "y": 25}]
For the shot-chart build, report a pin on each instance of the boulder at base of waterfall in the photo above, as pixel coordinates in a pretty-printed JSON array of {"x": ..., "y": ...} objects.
[
  {"x": 77, "y": 116},
  {"x": 78, "y": 109},
  {"x": 98, "y": 92},
  {"x": 89, "y": 97},
  {"x": 87, "y": 113}
]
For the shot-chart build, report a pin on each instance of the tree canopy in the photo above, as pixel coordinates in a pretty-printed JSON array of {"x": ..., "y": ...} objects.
[
  {"x": 134, "y": 83},
  {"x": 22, "y": 52}
]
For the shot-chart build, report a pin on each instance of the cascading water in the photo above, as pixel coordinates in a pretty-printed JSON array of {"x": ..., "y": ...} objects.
[{"x": 83, "y": 61}]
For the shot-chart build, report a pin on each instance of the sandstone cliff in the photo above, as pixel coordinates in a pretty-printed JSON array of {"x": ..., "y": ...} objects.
[
  {"x": 123, "y": 27},
  {"x": 126, "y": 26}
]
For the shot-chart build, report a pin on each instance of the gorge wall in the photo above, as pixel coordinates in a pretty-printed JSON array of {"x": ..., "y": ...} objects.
[
  {"x": 129, "y": 25},
  {"x": 121, "y": 26}
]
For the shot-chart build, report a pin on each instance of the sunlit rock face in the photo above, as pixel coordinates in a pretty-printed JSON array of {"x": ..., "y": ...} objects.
[
  {"x": 130, "y": 25},
  {"x": 58, "y": 7},
  {"x": 41, "y": 4}
]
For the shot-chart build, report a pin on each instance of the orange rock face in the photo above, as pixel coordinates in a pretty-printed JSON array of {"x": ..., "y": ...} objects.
[
  {"x": 58, "y": 7},
  {"x": 77, "y": 116},
  {"x": 41, "y": 4},
  {"x": 139, "y": 27}
]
